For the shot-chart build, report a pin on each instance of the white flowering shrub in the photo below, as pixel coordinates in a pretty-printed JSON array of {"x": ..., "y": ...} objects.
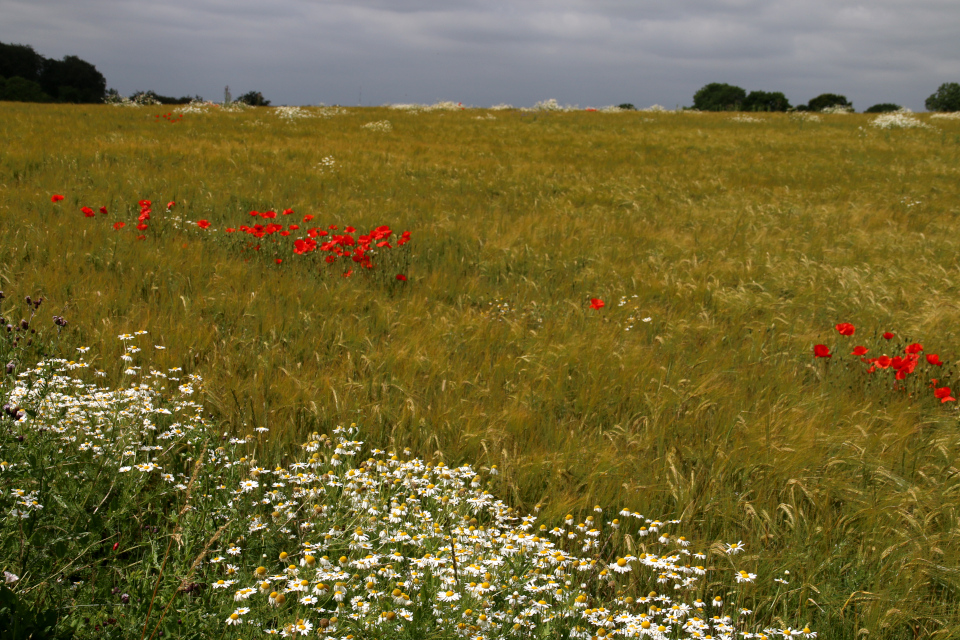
[
  {"x": 291, "y": 113},
  {"x": 380, "y": 125},
  {"x": 898, "y": 120},
  {"x": 837, "y": 109}
]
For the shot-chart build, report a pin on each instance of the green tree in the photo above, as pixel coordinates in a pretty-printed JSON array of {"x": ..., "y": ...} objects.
[
  {"x": 20, "y": 60},
  {"x": 946, "y": 98},
  {"x": 254, "y": 99},
  {"x": 718, "y": 96},
  {"x": 766, "y": 101},
  {"x": 827, "y": 100},
  {"x": 17, "y": 89},
  {"x": 73, "y": 80}
]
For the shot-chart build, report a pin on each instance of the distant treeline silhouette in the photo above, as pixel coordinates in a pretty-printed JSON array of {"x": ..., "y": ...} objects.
[
  {"x": 719, "y": 96},
  {"x": 27, "y": 76}
]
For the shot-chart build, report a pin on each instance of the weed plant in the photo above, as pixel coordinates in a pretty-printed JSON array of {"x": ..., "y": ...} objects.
[{"x": 743, "y": 245}]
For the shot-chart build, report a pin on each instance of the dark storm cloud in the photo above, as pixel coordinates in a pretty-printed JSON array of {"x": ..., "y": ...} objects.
[{"x": 485, "y": 52}]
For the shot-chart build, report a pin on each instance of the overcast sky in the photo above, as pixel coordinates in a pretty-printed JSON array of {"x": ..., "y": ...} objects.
[{"x": 486, "y": 52}]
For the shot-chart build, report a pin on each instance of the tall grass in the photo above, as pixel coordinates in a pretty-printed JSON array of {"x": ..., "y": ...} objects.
[{"x": 743, "y": 242}]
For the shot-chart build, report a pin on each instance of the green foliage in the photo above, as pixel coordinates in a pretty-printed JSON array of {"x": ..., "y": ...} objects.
[
  {"x": 254, "y": 99},
  {"x": 627, "y": 106},
  {"x": 718, "y": 96},
  {"x": 766, "y": 101},
  {"x": 946, "y": 98},
  {"x": 20, "y": 621},
  {"x": 17, "y": 89},
  {"x": 884, "y": 107},
  {"x": 828, "y": 101}
]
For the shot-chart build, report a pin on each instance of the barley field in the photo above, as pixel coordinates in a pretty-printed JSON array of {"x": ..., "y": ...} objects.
[{"x": 613, "y": 310}]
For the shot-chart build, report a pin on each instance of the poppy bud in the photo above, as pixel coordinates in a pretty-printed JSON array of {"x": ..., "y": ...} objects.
[{"x": 116, "y": 545}]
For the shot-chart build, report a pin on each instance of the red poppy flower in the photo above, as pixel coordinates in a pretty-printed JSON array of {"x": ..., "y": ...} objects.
[
  {"x": 330, "y": 259},
  {"x": 56, "y": 197},
  {"x": 171, "y": 205},
  {"x": 141, "y": 237},
  {"x": 203, "y": 224},
  {"x": 293, "y": 227},
  {"x": 916, "y": 347},
  {"x": 287, "y": 212},
  {"x": 821, "y": 351},
  {"x": 596, "y": 303},
  {"x": 144, "y": 203},
  {"x": 888, "y": 336},
  {"x": 254, "y": 213},
  {"x": 859, "y": 351},
  {"x": 142, "y": 226},
  {"x": 229, "y": 229},
  {"x": 884, "y": 361},
  {"x": 269, "y": 215},
  {"x": 307, "y": 218},
  {"x": 349, "y": 229},
  {"x": 348, "y": 273},
  {"x": 119, "y": 225},
  {"x": 332, "y": 227},
  {"x": 934, "y": 359},
  {"x": 103, "y": 210},
  {"x": 943, "y": 394},
  {"x": 279, "y": 261},
  {"x": 87, "y": 212},
  {"x": 846, "y": 329},
  {"x": 401, "y": 277}
]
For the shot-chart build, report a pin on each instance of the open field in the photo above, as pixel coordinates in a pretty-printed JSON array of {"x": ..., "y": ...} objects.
[{"x": 743, "y": 242}]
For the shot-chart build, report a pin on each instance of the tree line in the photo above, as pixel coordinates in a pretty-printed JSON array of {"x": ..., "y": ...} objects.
[
  {"x": 718, "y": 96},
  {"x": 27, "y": 76}
]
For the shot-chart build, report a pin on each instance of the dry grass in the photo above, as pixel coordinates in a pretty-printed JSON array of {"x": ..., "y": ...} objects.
[{"x": 743, "y": 244}]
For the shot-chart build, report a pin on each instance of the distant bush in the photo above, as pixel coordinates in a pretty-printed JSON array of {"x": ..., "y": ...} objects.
[
  {"x": 627, "y": 106},
  {"x": 946, "y": 98},
  {"x": 254, "y": 99},
  {"x": 18, "y": 89},
  {"x": 766, "y": 101},
  {"x": 827, "y": 101},
  {"x": 718, "y": 96},
  {"x": 883, "y": 107},
  {"x": 152, "y": 97}
]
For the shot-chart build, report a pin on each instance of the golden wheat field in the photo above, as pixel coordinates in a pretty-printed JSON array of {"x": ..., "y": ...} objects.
[{"x": 723, "y": 248}]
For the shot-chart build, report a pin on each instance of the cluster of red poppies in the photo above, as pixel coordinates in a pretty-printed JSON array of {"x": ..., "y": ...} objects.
[
  {"x": 142, "y": 218},
  {"x": 169, "y": 117},
  {"x": 356, "y": 250},
  {"x": 901, "y": 366},
  {"x": 336, "y": 245}
]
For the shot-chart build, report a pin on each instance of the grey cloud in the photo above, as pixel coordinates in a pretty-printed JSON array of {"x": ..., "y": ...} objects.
[{"x": 588, "y": 52}]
